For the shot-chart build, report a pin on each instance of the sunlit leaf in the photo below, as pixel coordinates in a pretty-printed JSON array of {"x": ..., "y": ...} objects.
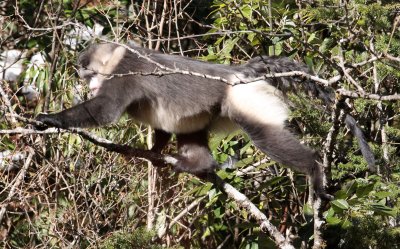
[{"x": 340, "y": 203}]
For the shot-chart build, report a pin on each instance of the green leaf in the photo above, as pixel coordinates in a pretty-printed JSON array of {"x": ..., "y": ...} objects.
[
  {"x": 326, "y": 45},
  {"x": 251, "y": 36},
  {"x": 346, "y": 224},
  {"x": 383, "y": 210},
  {"x": 223, "y": 174},
  {"x": 382, "y": 194},
  {"x": 206, "y": 233},
  {"x": 329, "y": 213},
  {"x": 333, "y": 220},
  {"x": 217, "y": 212},
  {"x": 311, "y": 38},
  {"x": 309, "y": 62},
  {"x": 32, "y": 43},
  {"x": 201, "y": 190},
  {"x": 245, "y": 148},
  {"x": 364, "y": 190},
  {"x": 273, "y": 182},
  {"x": 215, "y": 141},
  {"x": 278, "y": 48},
  {"x": 341, "y": 194},
  {"x": 246, "y": 11},
  {"x": 341, "y": 203},
  {"x": 244, "y": 162}
]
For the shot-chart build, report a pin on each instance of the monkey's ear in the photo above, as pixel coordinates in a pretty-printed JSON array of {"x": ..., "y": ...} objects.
[
  {"x": 135, "y": 42},
  {"x": 112, "y": 58}
]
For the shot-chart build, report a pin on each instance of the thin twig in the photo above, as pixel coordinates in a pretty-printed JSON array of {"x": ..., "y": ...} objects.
[
  {"x": 186, "y": 210},
  {"x": 352, "y": 94},
  {"x": 7, "y": 103},
  {"x": 20, "y": 177}
]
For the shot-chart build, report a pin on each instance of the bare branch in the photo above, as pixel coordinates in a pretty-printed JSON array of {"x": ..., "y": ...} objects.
[
  {"x": 261, "y": 218},
  {"x": 160, "y": 160},
  {"x": 23, "y": 131},
  {"x": 391, "y": 57},
  {"x": 318, "y": 222},
  {"x": 373, "y": 96},
  {"x": 17, "y": 182}
]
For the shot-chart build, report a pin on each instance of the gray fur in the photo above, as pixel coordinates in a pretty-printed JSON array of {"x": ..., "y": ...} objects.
[
  {"x": 283, "y": 147},
  {"x": 189, "y": 105}
]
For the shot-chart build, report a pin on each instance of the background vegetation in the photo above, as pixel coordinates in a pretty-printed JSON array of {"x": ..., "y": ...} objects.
[{"x": 61, "y": 191}]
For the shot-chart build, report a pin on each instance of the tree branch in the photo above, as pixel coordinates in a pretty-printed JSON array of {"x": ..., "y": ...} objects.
[
  {"x": 159, "y": 161},
  {"x": 352, "y": 94}
]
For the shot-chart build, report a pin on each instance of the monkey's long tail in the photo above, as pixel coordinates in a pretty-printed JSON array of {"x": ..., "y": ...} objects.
[{"x": 263, "y": 65}]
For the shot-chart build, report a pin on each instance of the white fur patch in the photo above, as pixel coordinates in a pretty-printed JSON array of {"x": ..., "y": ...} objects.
[
  {"x": 259, "y": 101},
  {"x": 105, "y": 58},
  {"x": 170, "y": 160},
  {"x": 165, "y": 120},
  {"x": 165, "y": 117},
  {"x": 95, "y": 84}
]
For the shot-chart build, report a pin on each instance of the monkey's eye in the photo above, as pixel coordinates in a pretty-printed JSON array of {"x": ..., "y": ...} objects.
[
  {"x": 91, "y": 75},
  {"x": 86, "y": 74}
]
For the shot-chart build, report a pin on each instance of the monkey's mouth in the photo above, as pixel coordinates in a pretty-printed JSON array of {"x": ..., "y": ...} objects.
[
  {"x": 94, "y": 85},
  {"x": 94, "y": 90}
]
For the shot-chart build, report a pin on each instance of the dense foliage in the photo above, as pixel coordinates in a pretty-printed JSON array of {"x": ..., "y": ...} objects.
[{"x": 71, "y": 193}]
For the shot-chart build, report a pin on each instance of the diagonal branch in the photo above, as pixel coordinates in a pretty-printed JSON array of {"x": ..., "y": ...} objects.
[{"x": 161, "y": 160}]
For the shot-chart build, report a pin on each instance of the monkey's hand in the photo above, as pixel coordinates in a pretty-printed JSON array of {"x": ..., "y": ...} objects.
[
  {"x": 325, "y": 196},
  {"x": 47, "y": 120}
]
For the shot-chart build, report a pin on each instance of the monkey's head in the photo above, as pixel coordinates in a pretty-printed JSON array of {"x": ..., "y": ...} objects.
[{"x": 97, "y": 63}]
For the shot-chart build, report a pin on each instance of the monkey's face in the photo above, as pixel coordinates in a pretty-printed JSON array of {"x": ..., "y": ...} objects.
[
  {"x": 93, "y": 79},
  {"x": 97, "y": 63},
  {"x": 92, "y": 69}
]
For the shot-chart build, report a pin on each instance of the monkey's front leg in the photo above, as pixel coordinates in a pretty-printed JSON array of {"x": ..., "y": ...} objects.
[{"x": 92, "y": 113}]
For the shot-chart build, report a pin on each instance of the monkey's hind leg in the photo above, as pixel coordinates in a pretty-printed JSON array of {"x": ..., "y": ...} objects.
[
  {"x": 194, "y": 155},
  {"x": 161, "y": 139},
  {"x": 279, "y": 143}
]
